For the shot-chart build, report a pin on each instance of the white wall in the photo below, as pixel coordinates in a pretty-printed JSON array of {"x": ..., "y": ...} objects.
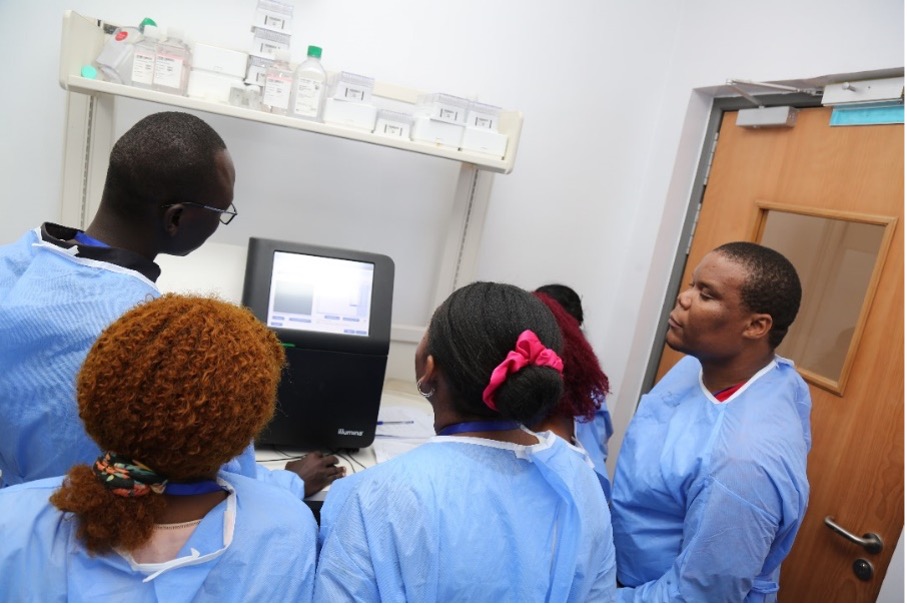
[
  {"x": 892, "y": 590},
  {"x": 615, "y": 97}
]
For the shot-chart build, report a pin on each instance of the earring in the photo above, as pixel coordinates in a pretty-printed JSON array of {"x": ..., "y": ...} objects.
[{"x": 423, "y": 393}]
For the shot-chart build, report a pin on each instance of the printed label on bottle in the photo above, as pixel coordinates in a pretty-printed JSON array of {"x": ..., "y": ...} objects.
[
  {"x": 143, "y": 67},
  {"x": 308, "y": 97},
  {"x": 277, "y": 90},
  {"x": 168, "y": 70}
]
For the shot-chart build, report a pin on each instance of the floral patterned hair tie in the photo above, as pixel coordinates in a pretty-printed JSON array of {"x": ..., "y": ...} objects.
[{"x": 127, "y": 477}]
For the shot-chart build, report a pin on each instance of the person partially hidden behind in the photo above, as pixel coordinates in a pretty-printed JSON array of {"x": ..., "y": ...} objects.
[
  {"x": 710, "y": 486},
  {"x": 170, "y": 392},
  {"x": 580, "y": 416},
  {"x": 169, "y": 186},
  {"x": 487, "y": 510}
]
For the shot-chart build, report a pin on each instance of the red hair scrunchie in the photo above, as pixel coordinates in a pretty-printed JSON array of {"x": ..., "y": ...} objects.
[{"x": 529, "y": 350}]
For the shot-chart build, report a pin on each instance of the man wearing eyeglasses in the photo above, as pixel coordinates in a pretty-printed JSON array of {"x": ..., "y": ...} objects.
[{"x": 169, "y": 186}]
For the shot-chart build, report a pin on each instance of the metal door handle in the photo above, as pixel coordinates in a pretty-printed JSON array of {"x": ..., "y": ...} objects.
[{"x": 871, "y": 542}]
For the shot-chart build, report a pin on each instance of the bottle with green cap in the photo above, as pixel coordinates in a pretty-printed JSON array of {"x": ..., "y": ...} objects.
[
  {"x": 309, "y": 86},
  {"x": 115, "y": 59}
]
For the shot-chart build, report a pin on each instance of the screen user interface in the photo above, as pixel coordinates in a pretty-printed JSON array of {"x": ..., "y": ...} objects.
[{"x": 320, "y": 294}]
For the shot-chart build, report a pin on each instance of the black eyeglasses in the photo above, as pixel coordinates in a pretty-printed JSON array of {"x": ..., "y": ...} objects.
[{"x": 225, "y": 215}]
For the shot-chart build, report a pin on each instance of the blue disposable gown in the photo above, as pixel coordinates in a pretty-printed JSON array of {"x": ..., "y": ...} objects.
[
  {"x": 593, "y": 435},
  {"x": 708, "y": 496},
  {"x": 463, "y": 519},
  {"x": 257, "y": 546},
  {"x": 53, "y": 306},
  {"x": 245, "y": 464}
]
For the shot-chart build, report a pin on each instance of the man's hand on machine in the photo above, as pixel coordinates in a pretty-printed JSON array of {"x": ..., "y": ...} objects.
[{"x": 317, "y": 471}]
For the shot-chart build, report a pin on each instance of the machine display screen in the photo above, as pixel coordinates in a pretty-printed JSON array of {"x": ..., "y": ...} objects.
[{"x": 320, "y": 294}]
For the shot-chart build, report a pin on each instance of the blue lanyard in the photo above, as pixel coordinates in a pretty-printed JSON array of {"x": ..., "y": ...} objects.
[
  {"x": 84, "y": 238},
  {"x": 479, "y": 426},
  {"x": 193, "y": 489}
]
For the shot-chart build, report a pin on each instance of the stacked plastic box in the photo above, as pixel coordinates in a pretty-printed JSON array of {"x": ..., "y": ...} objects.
[
  {"x": 391, "y": 123},
  {"x": 481, "y": 134},
  {"x": 271, "y": 29},
  {"x": 215, "y": 72},
  {"x": 440, "y": 119},
  {"x": 450, "y": 121},
  {"x": 349, "y": 101}
]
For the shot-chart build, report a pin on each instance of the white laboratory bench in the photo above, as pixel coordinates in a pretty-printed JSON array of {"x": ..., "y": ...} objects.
[{"x": 405, "y": 420}]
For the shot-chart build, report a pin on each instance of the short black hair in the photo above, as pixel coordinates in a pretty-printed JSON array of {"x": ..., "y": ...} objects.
[
  {"x": 772, "y": 285},
  {"x": 165, "y": 158},
  {"x": 472, "y": 332},
  {"x": 567, "y": 297}
]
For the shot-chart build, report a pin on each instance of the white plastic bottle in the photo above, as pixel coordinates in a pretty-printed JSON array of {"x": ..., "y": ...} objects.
[
  {"x": 143, "y": 57},
  {"x": 278, "y": 84},
  {"x": 309, "y": 87},
  {"x": 172, "y": 64}
]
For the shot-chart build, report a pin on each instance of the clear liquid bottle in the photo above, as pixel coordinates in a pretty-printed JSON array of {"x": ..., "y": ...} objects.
[
  {"x": 309, "y": 87},
  {"x": 278, "y": 85},
  {"x": 143, "y": 57},
  {"x": 172, "y": 64}
]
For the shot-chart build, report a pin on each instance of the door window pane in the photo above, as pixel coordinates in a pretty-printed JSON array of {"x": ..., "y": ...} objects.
[{"x": 836, "y": 259}]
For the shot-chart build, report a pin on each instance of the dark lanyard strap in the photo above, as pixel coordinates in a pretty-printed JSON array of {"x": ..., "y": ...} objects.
[
  {"x": 479, "y": 426},
  {"x": 193, "y": 489}
]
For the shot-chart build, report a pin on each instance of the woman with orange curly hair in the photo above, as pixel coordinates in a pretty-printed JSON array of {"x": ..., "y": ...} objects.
[{"x": 170, "y": 392}]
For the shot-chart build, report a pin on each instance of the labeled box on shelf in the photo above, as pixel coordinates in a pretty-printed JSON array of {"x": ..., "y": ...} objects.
[
  {"x": 482, "y": 140},
  {"x": 393, "y": 124},
  {"x": 274, "y": 15},
  {"x": 482, "y": 115},
  {"x": 266, "y": 43},
  {"x": 219, "y": 60},
  {"x": 210, "y": 85},
  {"x": 346, "y": 86},
  {"x": 437, "y": 132},
  {"x": 349, "y": 113},
  {"x": 443, "y": 107},
  {"x": 257, "y": 71}
]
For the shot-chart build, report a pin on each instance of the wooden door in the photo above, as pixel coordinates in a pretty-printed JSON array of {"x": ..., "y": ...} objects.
[{"x": 856, "y": 465}]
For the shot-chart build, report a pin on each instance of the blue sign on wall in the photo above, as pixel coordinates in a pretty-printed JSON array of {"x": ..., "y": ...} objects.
[{"x": 863, "y": 115}]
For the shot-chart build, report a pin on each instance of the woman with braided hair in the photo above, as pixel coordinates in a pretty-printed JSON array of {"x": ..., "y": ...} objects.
[
  {"x": 170, "y": 392},
  {"x": 487, "y": 510}
]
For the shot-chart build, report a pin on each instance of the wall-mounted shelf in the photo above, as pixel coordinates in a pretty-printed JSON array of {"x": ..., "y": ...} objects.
[{"x": 83, "y": 38}]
